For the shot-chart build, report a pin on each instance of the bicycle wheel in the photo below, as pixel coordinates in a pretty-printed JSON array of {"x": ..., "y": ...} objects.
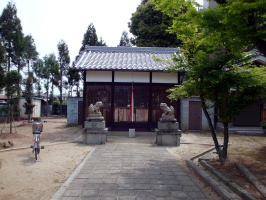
[{"x": 36, "y": 153}]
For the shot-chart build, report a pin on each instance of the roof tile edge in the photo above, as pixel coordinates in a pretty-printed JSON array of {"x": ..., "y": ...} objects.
[{"x": 161, "y": 50}]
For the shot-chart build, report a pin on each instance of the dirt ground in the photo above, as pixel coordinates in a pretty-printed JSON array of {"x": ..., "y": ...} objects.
[
  {"x": 23, "y": 178},
  {"x": 248, "y": 150}
]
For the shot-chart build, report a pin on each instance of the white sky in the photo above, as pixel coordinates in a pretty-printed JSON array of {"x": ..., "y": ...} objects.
[{"x": 49, "y": 21}]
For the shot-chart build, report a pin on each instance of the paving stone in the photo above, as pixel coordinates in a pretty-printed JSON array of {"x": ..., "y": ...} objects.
[
  {"x": 180, "y": 195},
  {"x": 126, "y": 198},
  {"x": 72, "y": 193},
  {"x": 132, "y": 172},
  {"x": 69, "y": 198},
  {"x": 89, "y": 193}
]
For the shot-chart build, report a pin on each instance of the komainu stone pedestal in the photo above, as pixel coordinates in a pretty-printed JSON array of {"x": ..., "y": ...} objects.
[
  {"x": 95, "y": 131},
  {"x": 95, "y": 137},
  {"x": 166, "y": 138},
  {"x": 168, "y": 132}
]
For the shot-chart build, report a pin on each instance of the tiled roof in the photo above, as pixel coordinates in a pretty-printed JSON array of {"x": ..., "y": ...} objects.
[{"x": 124, "y": 58}]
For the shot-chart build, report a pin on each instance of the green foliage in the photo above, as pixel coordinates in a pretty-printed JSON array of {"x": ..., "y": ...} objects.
[
  {"x": 149, "y": 26},
  {"x": 64, "y": 61},
  {"x": 28, "y": 93},
  {"x": 243, "y": 20},
  {"x": 215, "y": 65},
  {"x": 73, "y": 78},
  {"x": 2, "y": 54},
  {"x": 91, "y": 39},
  {"x": 30, "y": 48},
  {"x": 2, "y": 78},
  {"x": 63, "y": 52},
  {"x": 11, "y": 33},
  {"x": 12, "y": 80},
  {"x": 47, "y": 70},
  {"x": 101, "y": 42},
  {"x": 124, "y": 40},
  {"x": 37, "y": 69},
  {"x": 212, "y": 56}
]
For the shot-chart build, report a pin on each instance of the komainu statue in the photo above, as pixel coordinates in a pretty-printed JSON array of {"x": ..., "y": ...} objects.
[
  {"x": 168, "y": 112},
  {"x": 94, "y": 110}
]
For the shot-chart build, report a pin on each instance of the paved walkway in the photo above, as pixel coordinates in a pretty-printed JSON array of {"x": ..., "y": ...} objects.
[{"x": 132, "y": 171}]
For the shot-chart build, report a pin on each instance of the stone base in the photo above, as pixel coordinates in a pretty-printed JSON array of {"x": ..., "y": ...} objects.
[
  {"x": 94, "y": 125},
  {"x": 168, "y": 125},
  {"x": 95, "y": 137},
  {"x": 168, "y": 139}
]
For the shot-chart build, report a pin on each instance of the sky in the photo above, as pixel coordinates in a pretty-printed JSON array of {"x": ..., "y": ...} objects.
[{"x": 49, "y": 21}]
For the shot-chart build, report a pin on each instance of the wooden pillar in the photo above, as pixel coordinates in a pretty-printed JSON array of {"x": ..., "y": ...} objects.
[
  {"x": 112, "y": 99},
  {"x": 84, "y": 98},
  {"x": 150, "y": 103},
  {"x": 178, "y": 104}
]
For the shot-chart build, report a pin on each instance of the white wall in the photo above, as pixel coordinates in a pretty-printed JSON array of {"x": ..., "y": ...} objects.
[
  {"x": 36, "y": 108},
  {"x": 136, "y": 77},
  {"x": 184, "y": 103},
  {"x": 164, "y": 77},
  {"x": 98, "y": 76},
  {"x": 129, "y": 77}
]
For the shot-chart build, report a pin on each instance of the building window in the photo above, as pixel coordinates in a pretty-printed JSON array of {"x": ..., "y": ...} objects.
[{"x": 122, "y": 101}]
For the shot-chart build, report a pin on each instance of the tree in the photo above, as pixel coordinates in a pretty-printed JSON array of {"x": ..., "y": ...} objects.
[
  {"x": 245, "y": 20},
  {"x": 101, "y": 42},
  {"x": 11, "y": 33},
  {"x": 216, "y": 68},
  {"x": 64, "y": 61},
  {"x": 73, "y": 77},
  {"x": 55, "y": 76},
  {"x": 2, "y": 54},
  {"x": 38, "y": 66},
  {"x": 91, "y": 39},
  {"x": 12, "y": 81},
  {"x": 46, "y": 73},
  {"x": 30, "y": 50},
  {"x": 28, "y": 94},
  {"x": 149, "y": 26},
  {"x": 124, "y": 40}
]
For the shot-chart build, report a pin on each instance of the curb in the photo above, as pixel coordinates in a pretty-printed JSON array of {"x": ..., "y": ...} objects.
[
  {"x": 232, "y": 185},
  {"x": 261, "y": 188},
  {"x": 63, "y": 187},
  {"x": 215, "y": 185}
]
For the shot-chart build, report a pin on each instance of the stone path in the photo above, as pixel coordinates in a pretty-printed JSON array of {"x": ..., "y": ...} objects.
[{"x": 132, "y": 172}]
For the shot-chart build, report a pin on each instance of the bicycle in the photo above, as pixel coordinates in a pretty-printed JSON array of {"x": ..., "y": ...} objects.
[
  {"x": 37, "y": 128},
  {"x": 36, "y": 146}
]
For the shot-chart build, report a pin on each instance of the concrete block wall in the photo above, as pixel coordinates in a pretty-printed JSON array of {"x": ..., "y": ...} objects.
[
  {"x": 184, "y": 104},
  {"x": 72, "y": 110}
]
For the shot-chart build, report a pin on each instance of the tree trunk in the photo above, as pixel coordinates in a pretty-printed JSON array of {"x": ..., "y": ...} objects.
[
  {"x": 29, "y": 117},
  {"x": 226, "y": 141},
  {"x": 39, "y": 86},
  {"x": 10, "y": 118},
  {"x": 213, "y": 132},
  {"x": 61, "y": 92},
  {"x": 261, "y": 46},
  {"x": 9, "y": 58},
  {"x": 28, "y": 66},
  {"x": 47, "y": 98},
  {"x": 78, "y": 94},
  {"x": 47, "y": 105},
  {"x": 52, "y": 94}
]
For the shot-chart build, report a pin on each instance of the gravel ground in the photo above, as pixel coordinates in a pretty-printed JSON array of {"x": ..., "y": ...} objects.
[{"x": 23, "y": 178}]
